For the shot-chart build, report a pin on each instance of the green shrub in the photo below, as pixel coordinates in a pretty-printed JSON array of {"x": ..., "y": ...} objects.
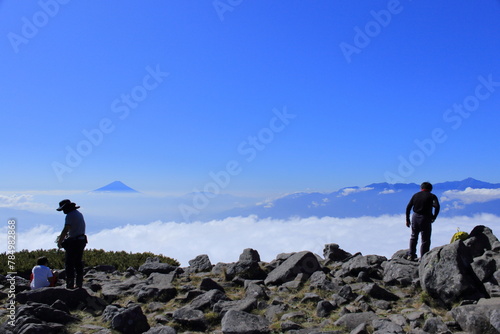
[{"x": 25, "y": 260}]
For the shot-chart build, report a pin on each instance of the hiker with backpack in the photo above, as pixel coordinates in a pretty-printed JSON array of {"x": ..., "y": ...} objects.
[{"x": 421, "y": 221}]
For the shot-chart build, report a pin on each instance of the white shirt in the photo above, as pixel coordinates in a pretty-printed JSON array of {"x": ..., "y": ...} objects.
[{"x": 41, "y": 275}]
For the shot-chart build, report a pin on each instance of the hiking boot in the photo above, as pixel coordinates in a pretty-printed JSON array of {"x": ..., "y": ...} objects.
[{"x": 412, "y": 258}]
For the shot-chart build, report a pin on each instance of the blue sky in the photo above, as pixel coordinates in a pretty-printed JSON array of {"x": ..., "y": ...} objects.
[{"x": 281, "y": 96}]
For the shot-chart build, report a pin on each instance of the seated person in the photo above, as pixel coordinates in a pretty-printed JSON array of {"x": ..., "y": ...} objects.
[{"x": 41, "y": 275}]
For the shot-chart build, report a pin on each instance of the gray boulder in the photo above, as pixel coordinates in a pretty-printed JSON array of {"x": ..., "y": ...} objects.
[
  {"x": 486, "y": 265},
  {"x": 190, "y": 318},
  {"x": 319, "y": 280},
  {"x": 32, "y": 328},
  {"x": 245, "y": 305},
  {"x": 324, "y": 308},
  {"x": 207, "y": 300},
  {"x": 161, "y": 330},
  {"x": 400, "y": 272},
  {"x": 385, "y": 326},
  {"x": 376, "y": 291},
  {"x": 480, "y": 318},
  {"x": 333, "y": 253},
  {"x": 446, "y": 274},
  {"x": 156, "y": 293},
  {"x": 201, "y": 263},
  {"x": 208, "y": 284},
  {"x": 481, "y": 239},
  {"x": 435, "y": 325},
  {"x": 156, "y": 267},
  {"x": 115, "y": 289},
  {"x": 353, "y": 320},
  {"x": 245, "y": 269},
  {"x": 50, "y": 314},
  {"x": 254, "y": 290},
  {"x": 299, "y": 263},
  {"x": 370, "y": 264},
  {"x": 128, "y": 320},
  {"x": 78, "y": 298},
  {"x": 250, "y": 254},
  {"x": 238, "y": 322}
]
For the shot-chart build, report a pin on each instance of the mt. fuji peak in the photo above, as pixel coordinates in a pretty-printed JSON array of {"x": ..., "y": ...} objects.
[{"x": 116, "y": 187}]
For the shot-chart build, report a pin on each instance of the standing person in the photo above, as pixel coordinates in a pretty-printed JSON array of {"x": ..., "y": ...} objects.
[
  {"x": 421, "y": 221},
  {"x": 41, "y": 275},
  {"x": 73, "y": 240}
]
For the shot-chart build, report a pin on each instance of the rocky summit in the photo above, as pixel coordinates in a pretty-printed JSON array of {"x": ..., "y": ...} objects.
[{"x": 453, "y": 289}]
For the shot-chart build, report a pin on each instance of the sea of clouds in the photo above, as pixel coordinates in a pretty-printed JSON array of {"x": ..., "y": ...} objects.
[{"x": 224, "y": 240}]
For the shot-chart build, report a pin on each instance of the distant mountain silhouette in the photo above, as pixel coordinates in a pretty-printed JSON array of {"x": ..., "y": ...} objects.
[
  {"x": 116, "y": 187},
  {"x": 373, "y": 200}
]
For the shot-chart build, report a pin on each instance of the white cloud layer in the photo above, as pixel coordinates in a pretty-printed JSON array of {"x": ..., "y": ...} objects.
[
  {"x": 471, "y": 195},
  {"x": 224, "y": 240},
  {"x": 349, "y": 191},
  {"x": 23, "y": 201}
]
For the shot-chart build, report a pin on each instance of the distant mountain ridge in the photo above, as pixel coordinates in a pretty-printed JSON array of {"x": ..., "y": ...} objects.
[
  {"x": 116, "y": 187},
  {"x": 456, "y": 197}
]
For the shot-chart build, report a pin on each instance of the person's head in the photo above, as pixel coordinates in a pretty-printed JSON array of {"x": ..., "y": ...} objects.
[
  {"x": 426, "y": 186},
  {"x": 66, "y": 206},
  {"x": 42, "y": 261}
]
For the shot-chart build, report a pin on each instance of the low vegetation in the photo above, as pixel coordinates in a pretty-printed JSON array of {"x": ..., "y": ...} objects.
[{"x": 25, "y": 260}]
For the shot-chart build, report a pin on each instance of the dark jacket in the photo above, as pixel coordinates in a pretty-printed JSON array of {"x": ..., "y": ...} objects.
[{"x": 422, "y": 203}]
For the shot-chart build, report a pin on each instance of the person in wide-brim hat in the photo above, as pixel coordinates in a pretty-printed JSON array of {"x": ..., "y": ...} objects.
[
  {"x": 66, "y": 204},
  {"x": 73, "y": 240}
]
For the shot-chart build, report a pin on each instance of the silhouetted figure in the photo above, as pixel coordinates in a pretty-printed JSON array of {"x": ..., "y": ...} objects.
[
  {"x": 421, "y": 221},
  {"x": 73, "y": 240}
]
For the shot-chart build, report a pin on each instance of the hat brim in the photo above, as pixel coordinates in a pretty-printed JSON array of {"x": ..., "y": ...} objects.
[{"x": 66, "y": 205}]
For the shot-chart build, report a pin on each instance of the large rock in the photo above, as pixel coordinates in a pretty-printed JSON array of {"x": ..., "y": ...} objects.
[
  {"x": 481, "y": 318},
  {"x": 400, "y": 272},
  {"x": 376, "y": 291},
  {"x": 156, "y": 267},
  {"x": 369, "y": 264},
  {"x": 156, "y": 293},
  {"x": 246, "y": 305},
  {"x": 446, "y": 274},
  {"x": 481, "y": 239},
  {"x": 245, "y": 269},
  {"x": 319, "y": 280},
  {"x": 115, "y": 289},
  {"x": 207, "y": 300},
  {"x": 74, "y": 299},
  {"x": 333, "y": 252},
  {"x": 486, "y": 265},
  {"x": 353, "y": 320},
  {"x": 190, "y": 318},
  {"x": 161, "y": 330},
  {"x": 238, "y": 322},
  {"x": 201, "y": 263},
  {"x": 250, "y": 254},
  {"x": 386, "y": 326},
  {"x": 129, "y": 320},
  {"x": 299, "y": 263}
]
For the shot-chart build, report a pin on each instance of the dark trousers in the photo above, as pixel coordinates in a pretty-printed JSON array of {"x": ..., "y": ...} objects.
[
  {"x": 73, "y": 262},
  {"x": 420, "y": 225}
]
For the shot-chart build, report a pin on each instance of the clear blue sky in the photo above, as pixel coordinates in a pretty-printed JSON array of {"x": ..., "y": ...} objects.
[{"x": 179, "y": 89}]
